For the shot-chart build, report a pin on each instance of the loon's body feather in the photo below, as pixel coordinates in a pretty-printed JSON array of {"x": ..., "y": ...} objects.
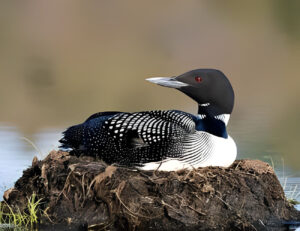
[{"x": 168, "y": 140}]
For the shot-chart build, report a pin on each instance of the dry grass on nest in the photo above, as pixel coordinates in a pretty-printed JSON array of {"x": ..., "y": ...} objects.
[{"x": 85, "y": 190}]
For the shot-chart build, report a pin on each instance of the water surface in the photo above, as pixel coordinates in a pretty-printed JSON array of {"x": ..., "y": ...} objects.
[{"x": 16, "y": 153}]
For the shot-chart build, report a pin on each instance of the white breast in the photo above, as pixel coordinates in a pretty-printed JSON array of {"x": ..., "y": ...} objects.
[
  {"x": 223, "y": 153},
  {"x": 201, "y": 150}
]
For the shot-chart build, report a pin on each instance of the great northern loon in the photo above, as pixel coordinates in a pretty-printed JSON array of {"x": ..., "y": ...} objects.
[{"x": 165, "y": 140}]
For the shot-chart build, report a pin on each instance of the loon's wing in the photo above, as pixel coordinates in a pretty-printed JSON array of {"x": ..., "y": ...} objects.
[
  {"x": 73, "y": 137},
  {"x": 142, "y": 129},
  {"x": 109, "y": 132}
]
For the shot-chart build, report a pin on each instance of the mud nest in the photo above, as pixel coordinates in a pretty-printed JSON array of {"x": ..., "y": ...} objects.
[{"x": 85, "y": 193}]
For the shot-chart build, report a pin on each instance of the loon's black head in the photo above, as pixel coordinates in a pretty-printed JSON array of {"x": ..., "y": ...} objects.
[{"x": 210, "y": 88}]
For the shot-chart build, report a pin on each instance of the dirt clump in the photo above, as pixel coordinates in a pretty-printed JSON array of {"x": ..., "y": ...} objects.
[{"x": 84, "y": 193}]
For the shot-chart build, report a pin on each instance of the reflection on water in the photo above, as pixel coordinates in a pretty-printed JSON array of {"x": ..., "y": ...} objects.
[{"x": 291, "y": 186}]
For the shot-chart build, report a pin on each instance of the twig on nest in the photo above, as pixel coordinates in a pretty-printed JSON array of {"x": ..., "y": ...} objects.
[
  {"x": 65, "y": 185},
  {"x": 229, "y": 206},
  {"x": 47, "y": 215},
  {"x": 118, "y": 191},
  {"x": 170, "y": 206},
  {"x": 188, "y": 174},
  {"x": 236, "y": 167},
  {"x": 109, "y": 171},
  {"x": 83, "y": 188},
  {"x": 157, "y": 168},
  {"x": 101, "y": 226},
  {"x": 201, "y": 213}
]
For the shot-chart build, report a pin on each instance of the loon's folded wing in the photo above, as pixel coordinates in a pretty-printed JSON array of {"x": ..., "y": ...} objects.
[
  {"x": 74, "y": 135},
  {"x": 145, "y": 128}
]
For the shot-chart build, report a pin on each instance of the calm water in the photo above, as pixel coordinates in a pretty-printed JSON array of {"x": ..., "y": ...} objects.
[{"x": 16, "y": 153}]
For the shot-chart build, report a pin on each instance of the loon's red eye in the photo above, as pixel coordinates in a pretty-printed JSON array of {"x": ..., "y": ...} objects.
[{"x": 198, "y": 79}]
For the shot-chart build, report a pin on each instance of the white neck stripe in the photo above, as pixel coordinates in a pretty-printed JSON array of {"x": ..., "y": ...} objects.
[{"x": 224, "y": 117}]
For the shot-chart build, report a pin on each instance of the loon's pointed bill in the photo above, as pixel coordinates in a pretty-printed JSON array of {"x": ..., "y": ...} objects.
[{"x": 167, "y": 82}]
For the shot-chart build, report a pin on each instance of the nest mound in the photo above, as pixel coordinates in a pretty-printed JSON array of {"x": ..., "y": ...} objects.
[{"x": 85, "y": 193}]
